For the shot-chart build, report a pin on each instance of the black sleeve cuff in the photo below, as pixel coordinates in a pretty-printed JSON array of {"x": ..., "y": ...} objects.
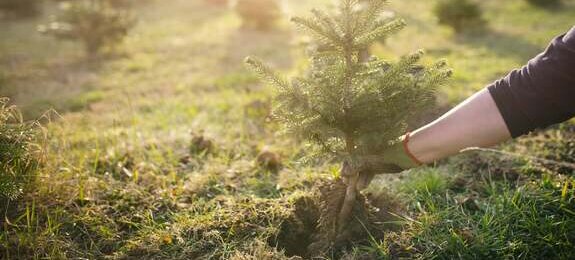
[
  {"x": 542, "y": 92},
  {"x": 517, "y": 123}
]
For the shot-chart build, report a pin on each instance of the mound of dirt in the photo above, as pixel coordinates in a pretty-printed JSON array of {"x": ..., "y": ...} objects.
[
  {"x": 296, "y": 232},
  {"x": 311, "y": 231}
]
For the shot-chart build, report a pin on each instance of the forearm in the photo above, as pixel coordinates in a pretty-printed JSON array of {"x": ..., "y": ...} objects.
[
  {"x": 537, "y": 95},
  {"x": 476, "y": 122}
]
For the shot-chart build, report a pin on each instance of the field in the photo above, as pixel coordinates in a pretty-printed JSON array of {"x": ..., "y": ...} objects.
[{"x": 123, "y": 177}]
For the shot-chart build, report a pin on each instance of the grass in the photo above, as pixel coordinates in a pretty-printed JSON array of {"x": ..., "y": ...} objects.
[
  {"x": 119, "y": 180},
  {"x": 510, "y": 41},
  {"x": 514, "y": 224},
  {"x": 527, "y": 221}
]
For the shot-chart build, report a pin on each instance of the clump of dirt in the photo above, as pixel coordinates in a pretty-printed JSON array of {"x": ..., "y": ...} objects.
[
  {"x": 296, "y": 232},
  {"x": 329, "y": 237},
  {"x": 529, "y": 156},
  {"x": 481, "y": 166},
  {"x": 311, "y": 231},
  {"x": 201, "y": 144},
  {"x": 269, "y": 160},
  {"x": 555, "y": 148}
]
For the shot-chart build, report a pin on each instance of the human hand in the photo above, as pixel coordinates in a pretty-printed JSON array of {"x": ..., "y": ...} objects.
[{"x": 394, "y": 159}]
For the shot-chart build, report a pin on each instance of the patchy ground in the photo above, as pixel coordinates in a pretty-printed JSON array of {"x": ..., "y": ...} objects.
[{"x": 154, "y": 150}]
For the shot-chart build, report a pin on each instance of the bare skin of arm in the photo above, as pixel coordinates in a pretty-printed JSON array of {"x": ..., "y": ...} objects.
[{"x": 476, "y": 122}]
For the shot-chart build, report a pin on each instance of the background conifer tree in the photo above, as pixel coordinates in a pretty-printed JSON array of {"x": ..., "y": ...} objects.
[
  {"x": 97, "y": 24},
  {"x": 258, "y": 14},
  {"x": 461, "y": 15},
  {"x": 19, "y": 8},
  {"x": 352, "y": 106}
]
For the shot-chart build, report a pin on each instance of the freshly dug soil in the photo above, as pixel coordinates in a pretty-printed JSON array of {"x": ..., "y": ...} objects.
[
  {"x": 311, "y": 231},
  {"x": 297, "y": 231}
]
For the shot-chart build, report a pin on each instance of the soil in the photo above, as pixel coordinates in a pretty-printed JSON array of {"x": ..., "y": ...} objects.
[
  {"x": 311, "y": 230},
  {"x": 201, "y": 144},
  {"x": 269, "y": 160},
  {"x": 296, "y": 232}
]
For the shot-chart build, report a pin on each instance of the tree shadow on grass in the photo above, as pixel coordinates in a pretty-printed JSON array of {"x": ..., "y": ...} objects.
[
  {"x": 548, "y": 5},
  {"x": 66, "y": 85},
  {"x": 502, "y": 44}
]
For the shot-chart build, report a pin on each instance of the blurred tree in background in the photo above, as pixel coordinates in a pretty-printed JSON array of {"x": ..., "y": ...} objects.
[
  {"x": 95, "y": 23},
  {"x": 217, "y": 2},
  {"x": 545, "y": 3},
  {"x": 19, "y": 8},
  {"x": 124, "y": 3},
  {"x": 113, "y": 3},
  {"x": 461, "y": 15},
  {"x": 258, "y": 14}
]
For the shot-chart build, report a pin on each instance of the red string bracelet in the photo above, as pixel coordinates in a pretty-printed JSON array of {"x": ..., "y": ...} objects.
[{"x": 405, "y": 142}]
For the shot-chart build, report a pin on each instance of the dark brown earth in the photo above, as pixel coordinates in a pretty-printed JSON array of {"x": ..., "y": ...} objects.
[{"x": 311, "y": 230}]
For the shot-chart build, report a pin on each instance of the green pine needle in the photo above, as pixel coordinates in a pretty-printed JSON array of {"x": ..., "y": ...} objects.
[{"x": 344, "y": 103}]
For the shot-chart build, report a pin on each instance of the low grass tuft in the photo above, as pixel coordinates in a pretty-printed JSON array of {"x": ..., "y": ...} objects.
[{"x": 20, "y": 152}]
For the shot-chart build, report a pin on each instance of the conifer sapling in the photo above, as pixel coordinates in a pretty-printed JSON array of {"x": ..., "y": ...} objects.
[{"x": 350, "y": 106}]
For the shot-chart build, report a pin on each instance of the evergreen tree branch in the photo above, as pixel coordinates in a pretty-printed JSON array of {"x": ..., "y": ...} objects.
[
  {"x": 380, "y": 32},
  {"x": 328, "y": 23},
  {"x": 267, "y": 73},
  {"x": 370, "y": 15},
  {"x": 318, "y": 31},
  {"x": 351, "y": 105}
]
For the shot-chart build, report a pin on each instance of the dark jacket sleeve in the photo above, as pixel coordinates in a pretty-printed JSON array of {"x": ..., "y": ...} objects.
[{"x": 542, "y": 93}]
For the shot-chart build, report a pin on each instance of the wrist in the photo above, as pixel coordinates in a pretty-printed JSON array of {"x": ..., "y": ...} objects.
[
  {"x": 422, "y": 151},
  {"x": 407, "y": 149},
  {"x": 400, "y": 155}
]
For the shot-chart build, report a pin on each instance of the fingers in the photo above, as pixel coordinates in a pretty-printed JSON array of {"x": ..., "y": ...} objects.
[
  {"x": 367, "y": 170},
  {"x": 378, "y": 164},
  {"x": 381, "y": 167},
  {"x": 346, "y": 172},
  {"x": 391, "y": 168},
  {"x": 364, "y": 180},
  {"x": 346, "y": 169},
  {"x": 348, "y": 202}
]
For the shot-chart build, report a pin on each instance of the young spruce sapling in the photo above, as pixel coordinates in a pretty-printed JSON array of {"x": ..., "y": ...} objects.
[{"x": 351, "y": 106}]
